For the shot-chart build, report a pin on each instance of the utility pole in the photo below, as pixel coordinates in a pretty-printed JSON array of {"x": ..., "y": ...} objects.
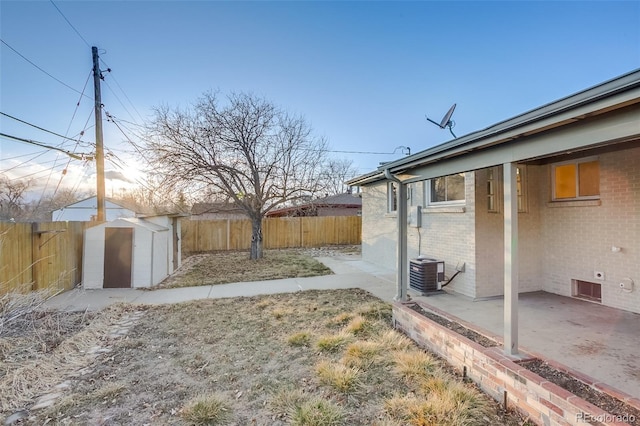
[{"x": 97, "y": 75}]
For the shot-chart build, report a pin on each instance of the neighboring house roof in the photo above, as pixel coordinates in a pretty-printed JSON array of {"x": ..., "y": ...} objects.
[
  {"x": 342, "y": 200},
  {"x": 346, "y": 200},
  {"x": 119, "y": 203},
  {"x": 218, "y": 208},
  {"x": 614, "y": 94}
]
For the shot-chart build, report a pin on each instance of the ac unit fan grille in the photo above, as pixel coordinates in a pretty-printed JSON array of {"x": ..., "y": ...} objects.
[{"x": 425, "y": 274}]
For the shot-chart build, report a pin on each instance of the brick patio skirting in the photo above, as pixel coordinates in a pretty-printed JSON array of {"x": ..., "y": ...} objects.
[{"x": 544, "y": 403}]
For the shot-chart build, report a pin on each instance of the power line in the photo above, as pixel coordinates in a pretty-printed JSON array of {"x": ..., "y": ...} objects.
[
  {"x": 70, "y": 24},
  {"x": 114, "y": 79},
  {"x": 55, "y": 191},
  {"x": 120, "y": 120},
  {"x": 48, "y": 170},
  {"x": 112, "y": 119},
  {"x": 118, "y": 99},
  {"x": 351, "y": 152},
  {"x": 40, "y": 144},
  {"x": 46, "y": 130},
  {"x": 24, "y": 155},
  {"x": 123, "y": 92},
  {"x": 30, "y": 160},
  {"x": 39, "y": 68},
  {"x": 29, "y": 164}
]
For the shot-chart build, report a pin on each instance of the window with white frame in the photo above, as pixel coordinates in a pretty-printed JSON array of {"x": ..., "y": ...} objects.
[
  {"x": 493, "y": 190},
  {"x": 576, "y": 180},
  {"x": 521, "y": 185},
  {"x": 446, "y": 189},
  {"x": 392, "y": 197}
]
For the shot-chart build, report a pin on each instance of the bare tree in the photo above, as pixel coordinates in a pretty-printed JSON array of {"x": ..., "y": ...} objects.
[
  {"x": 12, "y": 193},
  {"x": 247, "y": 149},
  {"x": 335, "y": 173}
]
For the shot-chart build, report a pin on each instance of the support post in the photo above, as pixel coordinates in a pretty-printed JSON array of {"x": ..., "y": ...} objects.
[
  {"x": 511, "y": 289},
  {"x": 402, "y": 265},
  {"x": 100, "y": 190}
]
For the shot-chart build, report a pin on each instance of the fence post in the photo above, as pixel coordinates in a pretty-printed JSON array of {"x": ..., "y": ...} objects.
[
  {"x": 35, "y": 256},
  {"x": 301, "y": 233}
]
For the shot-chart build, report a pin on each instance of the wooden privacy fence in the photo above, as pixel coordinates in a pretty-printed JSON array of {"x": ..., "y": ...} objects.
[
  {"x": 38, "y": 256},
  {"x": 279, "y": 232}
]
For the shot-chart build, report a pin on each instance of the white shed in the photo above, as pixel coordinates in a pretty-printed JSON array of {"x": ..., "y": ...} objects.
[{"x": 127, "y": 253}]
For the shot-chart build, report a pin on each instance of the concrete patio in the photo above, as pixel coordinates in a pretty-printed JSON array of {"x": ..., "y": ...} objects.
[{"x": 595, "y": 340}]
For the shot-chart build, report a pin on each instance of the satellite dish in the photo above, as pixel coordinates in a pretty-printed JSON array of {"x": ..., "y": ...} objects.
[{"x": 446, "y": 120}]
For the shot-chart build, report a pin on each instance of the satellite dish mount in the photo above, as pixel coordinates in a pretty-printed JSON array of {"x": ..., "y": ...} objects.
[{"x": 446, "y": 121}]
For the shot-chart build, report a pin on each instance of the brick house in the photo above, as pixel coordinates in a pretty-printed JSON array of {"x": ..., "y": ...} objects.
[{"x": 548, "y": 200}]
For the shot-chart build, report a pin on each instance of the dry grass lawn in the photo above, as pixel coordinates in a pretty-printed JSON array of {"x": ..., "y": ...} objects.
[
  {"x": 309, "y": 358},
  {"x": 235, "y": 266}
]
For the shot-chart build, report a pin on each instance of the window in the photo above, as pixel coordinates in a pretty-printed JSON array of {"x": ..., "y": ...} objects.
[
  {"x": 447, "y": 189},
  {"x": 521, "y": 183},
  {"x": 492, "y": 190},
  {"x": 392, "y": 198},
  {"x": 576, "y": 180}
]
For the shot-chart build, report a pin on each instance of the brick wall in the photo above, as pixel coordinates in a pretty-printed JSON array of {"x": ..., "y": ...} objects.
[
  {"x": 577, "y": 237},
  {"x": 558, "y": 242},
  {"x": 541, "y": 401},
  {"x": 447, "y": 232},
  {"x": 379, "y": 229},
  {"x": 490, "y": 237}
]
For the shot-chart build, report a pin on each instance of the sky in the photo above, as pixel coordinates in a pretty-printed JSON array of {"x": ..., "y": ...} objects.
[{"x": 364, "y": 74}]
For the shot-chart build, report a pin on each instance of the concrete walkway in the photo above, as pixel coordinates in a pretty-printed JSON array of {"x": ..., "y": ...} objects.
[{"x": 350, "y": 272}]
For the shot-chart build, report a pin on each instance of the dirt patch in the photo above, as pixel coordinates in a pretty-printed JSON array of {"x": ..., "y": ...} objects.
[
  {"x": 270, "y": 360},
  {"x": 599, "y": 399},
  {"x": 454, "y": 326}
]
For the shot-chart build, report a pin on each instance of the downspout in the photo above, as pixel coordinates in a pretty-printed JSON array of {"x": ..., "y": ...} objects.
[{"x": 402, "y": 265}]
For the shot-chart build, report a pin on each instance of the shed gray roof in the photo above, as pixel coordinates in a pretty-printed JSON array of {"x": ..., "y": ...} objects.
[{"x": 133, "y": 221}]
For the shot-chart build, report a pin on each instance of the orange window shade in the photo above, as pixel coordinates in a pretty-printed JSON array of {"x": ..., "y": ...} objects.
[
  {"x": 589, "y": 178},
  {"x": 565, "y": 181}
]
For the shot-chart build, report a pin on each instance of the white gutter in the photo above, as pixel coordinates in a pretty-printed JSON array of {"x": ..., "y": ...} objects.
[{"x": 402, "y": 266}]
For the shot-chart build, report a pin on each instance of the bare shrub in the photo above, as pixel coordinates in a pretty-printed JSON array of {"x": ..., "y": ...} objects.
[
  {"x": 210, "y": 409},
  {"x": 317, "y": 412},
  {"x": 340, "y": 377}
]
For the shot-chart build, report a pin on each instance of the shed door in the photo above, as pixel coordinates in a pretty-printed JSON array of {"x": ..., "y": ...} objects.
[{"x": 118, "y": 253}]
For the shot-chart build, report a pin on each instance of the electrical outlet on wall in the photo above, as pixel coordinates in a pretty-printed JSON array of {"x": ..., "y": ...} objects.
[{"x": 598, "y": 275}]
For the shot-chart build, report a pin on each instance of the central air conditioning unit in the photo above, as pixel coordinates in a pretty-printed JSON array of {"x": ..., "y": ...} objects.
[{"x": 426, "y": 274}]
